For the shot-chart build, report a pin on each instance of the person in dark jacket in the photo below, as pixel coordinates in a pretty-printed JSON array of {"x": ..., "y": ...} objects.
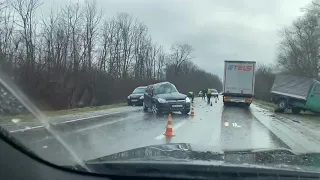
[
  {"x": 191, "y": 95},
  {"x": 204, "y": 92},
  {"x": 209, "y": 95}
]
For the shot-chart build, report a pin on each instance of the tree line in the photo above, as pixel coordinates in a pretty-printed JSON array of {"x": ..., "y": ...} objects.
[
  {"x": 77, "y": 57},
  {"x": 298, "y": 52}
]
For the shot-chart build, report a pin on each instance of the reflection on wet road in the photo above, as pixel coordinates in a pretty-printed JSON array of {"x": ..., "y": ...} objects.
[
  {"x": 239, "y": 125},
  {"x": 227, "y": 128}
]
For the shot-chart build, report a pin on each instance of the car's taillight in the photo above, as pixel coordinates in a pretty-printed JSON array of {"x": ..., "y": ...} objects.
[{"x": 249, "y": 100}]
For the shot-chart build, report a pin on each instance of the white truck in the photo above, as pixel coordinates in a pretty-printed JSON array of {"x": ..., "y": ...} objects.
[{"x": 238, "y": 82}]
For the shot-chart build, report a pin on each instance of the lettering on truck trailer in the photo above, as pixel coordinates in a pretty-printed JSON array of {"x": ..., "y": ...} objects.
[{"x": 239, "y": 68}]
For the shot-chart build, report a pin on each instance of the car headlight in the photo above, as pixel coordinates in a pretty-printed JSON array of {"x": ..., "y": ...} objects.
[
  {"x": 128, "y": 97},
  {"x": 160, "y": 100},
  {"x": 187, "y": 100},
  {"x": 141, "y": 97}
]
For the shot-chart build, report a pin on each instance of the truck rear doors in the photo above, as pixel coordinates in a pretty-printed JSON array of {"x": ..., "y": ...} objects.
[{"x": 239, "y": 77}]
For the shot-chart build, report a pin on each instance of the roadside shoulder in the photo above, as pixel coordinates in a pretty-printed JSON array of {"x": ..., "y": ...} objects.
[
  {"x": 296, "y": 135},
  {"x": 16, "y": 124}
]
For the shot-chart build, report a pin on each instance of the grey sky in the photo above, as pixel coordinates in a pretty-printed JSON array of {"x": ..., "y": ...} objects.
[{"x": 217, "y": 29}]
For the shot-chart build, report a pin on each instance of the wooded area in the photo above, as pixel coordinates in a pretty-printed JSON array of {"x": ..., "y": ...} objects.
[
  {"x": 298, "y": 51},
  {"x": 77, "y": 57}
]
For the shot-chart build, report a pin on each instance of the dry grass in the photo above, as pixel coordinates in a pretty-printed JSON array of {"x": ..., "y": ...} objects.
[{"x": 270, "y": 104}]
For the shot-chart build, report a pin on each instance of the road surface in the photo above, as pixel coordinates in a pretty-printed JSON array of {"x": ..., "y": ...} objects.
[{"x": 227, "y": 128}]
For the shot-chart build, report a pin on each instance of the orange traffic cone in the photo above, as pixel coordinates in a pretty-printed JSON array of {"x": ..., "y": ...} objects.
[
  {"x": 192, "y": 111},
  {"x": 169, "y": 129}
]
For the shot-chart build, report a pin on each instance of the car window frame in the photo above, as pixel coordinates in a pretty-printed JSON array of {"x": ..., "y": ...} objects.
[
  {"x": 140, "y": 88},
  {"x": 315, "y": 90}
]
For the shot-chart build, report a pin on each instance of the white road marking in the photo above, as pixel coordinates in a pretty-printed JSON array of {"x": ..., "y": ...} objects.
[
  {"x": 26, "y": 129},
  {"x": 175, "y": 127},
  {"x": 88, "y": 128},
  {"x": 91, "y": 117},
  {"x": 107, "y": 123},
  {"x": 16, "y": 120},
  {"x": 65, "y": 122}
]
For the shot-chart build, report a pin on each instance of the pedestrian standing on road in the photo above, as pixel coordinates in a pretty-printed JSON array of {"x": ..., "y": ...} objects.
[
  {"x": 191, "y": 95},
  {"x": 208, "y": 95},
  {"x": 204, "y": 92}
]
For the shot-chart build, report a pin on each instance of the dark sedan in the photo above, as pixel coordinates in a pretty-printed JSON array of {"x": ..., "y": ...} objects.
[
  {"x": 165, "y": 98},
  {"x": 136, "y": 97}
]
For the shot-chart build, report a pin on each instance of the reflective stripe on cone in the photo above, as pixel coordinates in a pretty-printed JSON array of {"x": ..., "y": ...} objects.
[
  {"x": 192, "y": 111},
  {"x": 169, "y": 128}
]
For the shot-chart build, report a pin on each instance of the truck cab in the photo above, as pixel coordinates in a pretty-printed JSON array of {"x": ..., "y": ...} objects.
[{"x": 313, "y": 100}]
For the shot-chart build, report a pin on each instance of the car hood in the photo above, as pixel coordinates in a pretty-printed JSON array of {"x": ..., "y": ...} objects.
[
  {"x": 184, "y": 152},
  {"x": 135, "y": 95},
  {"x": 172, "y": 96}
]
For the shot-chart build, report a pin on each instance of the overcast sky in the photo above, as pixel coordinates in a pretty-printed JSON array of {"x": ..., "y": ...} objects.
[{"x": 217, "y": 29}]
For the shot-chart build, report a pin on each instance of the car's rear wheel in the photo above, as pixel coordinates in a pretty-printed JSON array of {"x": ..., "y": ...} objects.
[
  {"x": 282, "y": 105},
  {"x": 155, "y": 109}
]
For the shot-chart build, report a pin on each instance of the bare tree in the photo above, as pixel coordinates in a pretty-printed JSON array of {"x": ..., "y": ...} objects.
[
  {"x": 92, "y": 18},
  {"x": 48, "y": 33},
  {"x": 6, "y": 33},
  {"x": 73, "y": 17},
  {"x": 160, "y": 64},
  {"x": 263, "y": 82},
  {"x": 180, "y": 53},
  {"x": 140, "y": 50},
  {"x": 299, "y": 48},
  {"x": 26, "y": 9},
  {"x": 126, "y": 26},
  {"x": 75, "y": 58}
]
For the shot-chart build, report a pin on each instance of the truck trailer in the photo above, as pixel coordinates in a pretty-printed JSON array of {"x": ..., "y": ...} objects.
[{"x": 238, "y": 82}]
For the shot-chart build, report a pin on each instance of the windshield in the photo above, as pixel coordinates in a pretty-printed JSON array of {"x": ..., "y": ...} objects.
[
  {"x": 68, "y": 68},
  {"x": 139, "y": 91},
  {"x": 165, "y": 88}
]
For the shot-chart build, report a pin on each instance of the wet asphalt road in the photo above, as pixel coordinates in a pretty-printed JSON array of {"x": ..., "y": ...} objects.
[{"x": 227, "y": 128}]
